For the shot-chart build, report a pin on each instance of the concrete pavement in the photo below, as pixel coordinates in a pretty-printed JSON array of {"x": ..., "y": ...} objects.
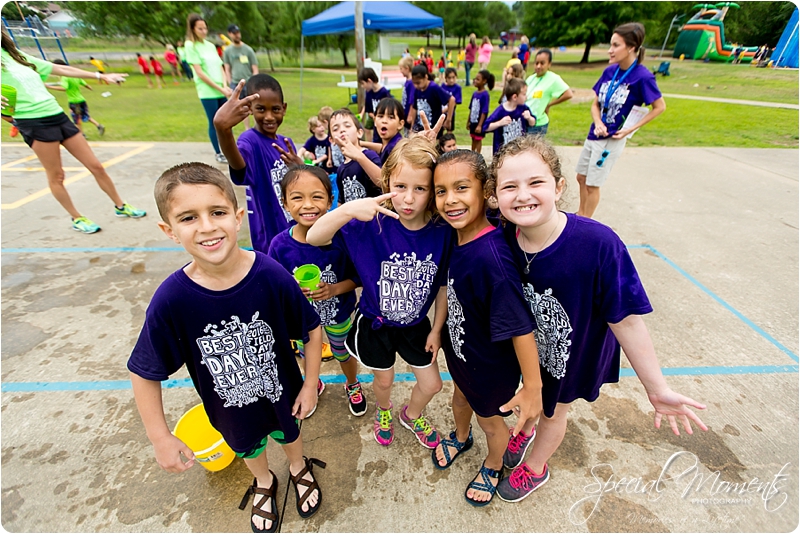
[{"x": 712, "y": 231}]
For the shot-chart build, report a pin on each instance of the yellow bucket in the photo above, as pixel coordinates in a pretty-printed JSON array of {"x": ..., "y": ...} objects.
[{"x": 210, "y": 449}]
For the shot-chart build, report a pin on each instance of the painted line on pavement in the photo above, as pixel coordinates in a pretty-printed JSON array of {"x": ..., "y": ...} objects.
[{"x": 104, "y": 385}]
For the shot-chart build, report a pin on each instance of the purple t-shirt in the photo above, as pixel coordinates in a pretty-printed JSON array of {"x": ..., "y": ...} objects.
[
  {"x": 385, "y": 151},
  {"x": 506, "y": 134},
  {"x": 454, "y": 90},
  {"x": 371, "y": 101},
  {"x": 479, "y": 104},
  {"x": 353, "y": 181},
  {"x": 317, "y": 147},
  {"x": 236, "y": 346},
  {"x": 637, "y": 89},
  {"x": 401, "y": 270},
  {"x": 408, "y": 98},
  {"x": 576, "y": 286},
  {"x": 334, "y": 263},
  {"x": 262, "y": 175},
  {"x": 485, "y": 309},
  {"x": 431, "y": 101}
]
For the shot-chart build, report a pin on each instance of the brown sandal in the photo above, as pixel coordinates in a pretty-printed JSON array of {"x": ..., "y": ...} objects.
[
  {"x": 309, "y": 486},
  {"x": 266, "y": 494}
]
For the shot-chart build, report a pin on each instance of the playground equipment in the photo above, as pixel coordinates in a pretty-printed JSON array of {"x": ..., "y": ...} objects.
[
  {"x": 32, "y": 32},
  {"x": 703, "y": 36}
]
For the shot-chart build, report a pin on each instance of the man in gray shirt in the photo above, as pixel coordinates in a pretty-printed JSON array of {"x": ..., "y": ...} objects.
[{"x": 240, "y": 61}]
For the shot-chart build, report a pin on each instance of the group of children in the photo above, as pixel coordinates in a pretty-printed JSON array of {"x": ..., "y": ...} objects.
[{"x": 546, "y": 298}]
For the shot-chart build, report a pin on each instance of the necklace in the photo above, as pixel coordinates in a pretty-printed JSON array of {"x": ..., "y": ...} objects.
[{"x": 528, "y": 262}]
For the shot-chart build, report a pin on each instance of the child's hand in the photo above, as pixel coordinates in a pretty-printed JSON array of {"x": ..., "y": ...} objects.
[
  {"x": 479, "y": 129},
  {"x": 289, "y": 157},
  {"x": 234, "y": 110},
  {"x": 526, "y": 114},
  {"x": 675, "y": 405},
  {"x": 365, "y": 209},
  {"x": 305, "y": 402},
  {"x": 427, "y": 132},
  {"x": 526, "y": 404},
  {"x": 433, "y": 344},
  {"x": 323, "y": 292},
  {"x": 349, "y": 149},
  {"x": 168, "y": 451},
  {"x": 505, "y": 121}
]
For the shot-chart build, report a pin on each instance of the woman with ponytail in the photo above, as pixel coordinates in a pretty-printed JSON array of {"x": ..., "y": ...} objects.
[
  {"x": 624, "y": 84},
  {"x": 45, "y": 127}
]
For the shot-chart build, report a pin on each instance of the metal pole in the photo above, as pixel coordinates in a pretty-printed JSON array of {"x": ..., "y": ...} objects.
[
  {"x": 302, "y": 53},
  {"x": 661, "y": 54},
  {"x": 10, "y": 33},
  {"x": 359, "y": 27},
  {"x": 58, "y": 42},
  {"x": 444, "y": 47}
]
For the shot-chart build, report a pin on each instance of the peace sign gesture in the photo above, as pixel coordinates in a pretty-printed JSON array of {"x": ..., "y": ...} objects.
[
  {"x": 365, "y": 209},
  {"x": 234, "y": 110},
  {"x": 427, "y": 132}
]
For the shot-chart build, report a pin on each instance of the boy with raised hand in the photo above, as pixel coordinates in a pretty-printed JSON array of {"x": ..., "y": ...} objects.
[{"x": 229, "y": 316}]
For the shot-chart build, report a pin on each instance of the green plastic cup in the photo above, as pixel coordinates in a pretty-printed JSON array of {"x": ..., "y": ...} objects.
[
  {"x": 10, "y": 92},
  {"x": 308, "y": 276}
]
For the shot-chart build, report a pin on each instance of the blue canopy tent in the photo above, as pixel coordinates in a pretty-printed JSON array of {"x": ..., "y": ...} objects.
[
  {"x": 786, "y": 51},
  {"x": 378, "y": 16}
]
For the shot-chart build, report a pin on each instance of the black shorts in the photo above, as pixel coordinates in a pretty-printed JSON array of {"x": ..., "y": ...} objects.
[
  {"x": 477, "y": 136},
  {"x": 55, "y": 128},
  {"x": 377, "y": 349}
]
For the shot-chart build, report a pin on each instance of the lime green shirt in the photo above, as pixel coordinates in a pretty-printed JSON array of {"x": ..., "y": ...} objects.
[
  {"x": 541, "y": 90},
  {"x": 204, "y": 53},
  {"x": 73, "y": 89},
  {"x": 34, "y": 101}
]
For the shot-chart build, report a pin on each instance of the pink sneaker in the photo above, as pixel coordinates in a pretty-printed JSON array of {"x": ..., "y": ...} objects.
[
  {"x": 384, "y": 428},
  {"x": 424, "y": 432}
]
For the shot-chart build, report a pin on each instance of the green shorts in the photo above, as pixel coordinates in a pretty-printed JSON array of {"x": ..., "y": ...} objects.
[{"x": 277, "y": 435}]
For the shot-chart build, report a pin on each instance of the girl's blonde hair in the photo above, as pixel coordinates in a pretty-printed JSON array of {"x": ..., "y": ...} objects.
[
  {"x": 417, "y": 152},
  {"x": 517, "y": 71},
  {"x": 406, "y": 62},
  {"x": 526, "y": 143}
]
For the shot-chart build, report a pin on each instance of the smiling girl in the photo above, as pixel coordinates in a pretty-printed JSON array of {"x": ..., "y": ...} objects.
[
  {"x": 488, "y": 339},
  {"x": 401, "y": 256},
  {"x": 307, "y": 194},
  {"x": 586, "y": 299}
]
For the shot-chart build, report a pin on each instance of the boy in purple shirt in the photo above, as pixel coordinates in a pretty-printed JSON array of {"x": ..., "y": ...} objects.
[
  {"x": 258, "y": 159},
  {"x": 360, "y": 174},
  {"x": 374, "y": 92},
  {"x": 450, "y": 85},
  {"x": 229, "y": 316},
  {"x": 511, "y": 118},
  {"x": 431, "y": 99},
  {"x": 317, "y": 146},
  {"x": 407, "y": 99}
]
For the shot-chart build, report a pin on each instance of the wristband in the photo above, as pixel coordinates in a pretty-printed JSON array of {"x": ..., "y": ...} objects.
[{"x": 97, "y": 75}]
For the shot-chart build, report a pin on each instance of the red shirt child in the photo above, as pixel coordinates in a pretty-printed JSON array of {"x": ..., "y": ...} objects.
[
  {"x": 429, "y": 63},
  {"x": 157, "y": 69},
  {"x": 143, "y": 64}
]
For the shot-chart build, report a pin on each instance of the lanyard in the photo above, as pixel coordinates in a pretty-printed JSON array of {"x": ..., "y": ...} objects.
[{"x": 614, "y": 85}]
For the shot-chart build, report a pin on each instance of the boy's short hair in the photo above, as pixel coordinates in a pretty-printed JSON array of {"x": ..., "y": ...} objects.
[
  {"x": 367, "y": 74},
  {"x": 513, "y": 87},
  {"x": 263, "y": 82},
  {"x": 390, "y": 106},
  {"x": 325, "y": 113},
  {"x": 313, "y": 122},
  {"x": 345, "y": 112},
  {"x": 406, "y": 62},
  {"x": 193, "y": 173}
]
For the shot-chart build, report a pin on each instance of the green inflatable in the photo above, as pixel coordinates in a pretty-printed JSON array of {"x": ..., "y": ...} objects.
[{"x": 704, "y": 36}]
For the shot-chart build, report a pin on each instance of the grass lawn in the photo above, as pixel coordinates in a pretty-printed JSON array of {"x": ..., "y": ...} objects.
[{"x": 135, "y": 113}]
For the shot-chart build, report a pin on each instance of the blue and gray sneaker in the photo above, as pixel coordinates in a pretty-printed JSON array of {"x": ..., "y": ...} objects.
[
  {"x": 521, "y": 483},
  {"x": 82, "y": 224},
  {"x": 129, "y": 211}
]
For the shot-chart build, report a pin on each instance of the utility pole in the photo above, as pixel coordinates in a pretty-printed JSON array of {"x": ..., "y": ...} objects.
[{"x": 359, "y": 27}]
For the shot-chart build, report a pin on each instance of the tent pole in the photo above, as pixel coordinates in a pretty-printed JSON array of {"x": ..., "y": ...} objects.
[
  {"x": 302, "y": 52},
  {"x": 360, "y": 48},
  {"x": 444, "y": 46}
]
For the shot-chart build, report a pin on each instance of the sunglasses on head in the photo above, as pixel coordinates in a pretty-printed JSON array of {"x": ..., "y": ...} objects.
[{"x": 603, "y": 157}]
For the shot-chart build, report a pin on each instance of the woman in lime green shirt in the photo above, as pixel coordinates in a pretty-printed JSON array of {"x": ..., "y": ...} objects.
[
  {"x": 44, "y": 126},
  {"x": 545, "y": 90},
  {"x": 209, "y": 74}
]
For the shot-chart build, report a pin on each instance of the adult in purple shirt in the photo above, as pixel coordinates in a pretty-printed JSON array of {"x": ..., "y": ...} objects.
[
  {"x": 624, "y": 84},
  {"x": 469, "y": 55}
]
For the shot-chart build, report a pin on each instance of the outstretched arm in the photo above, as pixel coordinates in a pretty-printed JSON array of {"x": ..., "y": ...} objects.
[
  {"x": 363, "y": 209},
  {"x": 73, "y": 72},
  {"x": 168, "y": 448},
  {"x": 632, "y": 334},
  {"x": 229, "y": 115}
]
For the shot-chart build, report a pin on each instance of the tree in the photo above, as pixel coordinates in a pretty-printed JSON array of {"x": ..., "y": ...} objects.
[
  {"x": 757, "y": 23},
  {"x": 163, "y": 22},
  {"x": 499, "y": 18},
  {"x": 588, "y": 23}
]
